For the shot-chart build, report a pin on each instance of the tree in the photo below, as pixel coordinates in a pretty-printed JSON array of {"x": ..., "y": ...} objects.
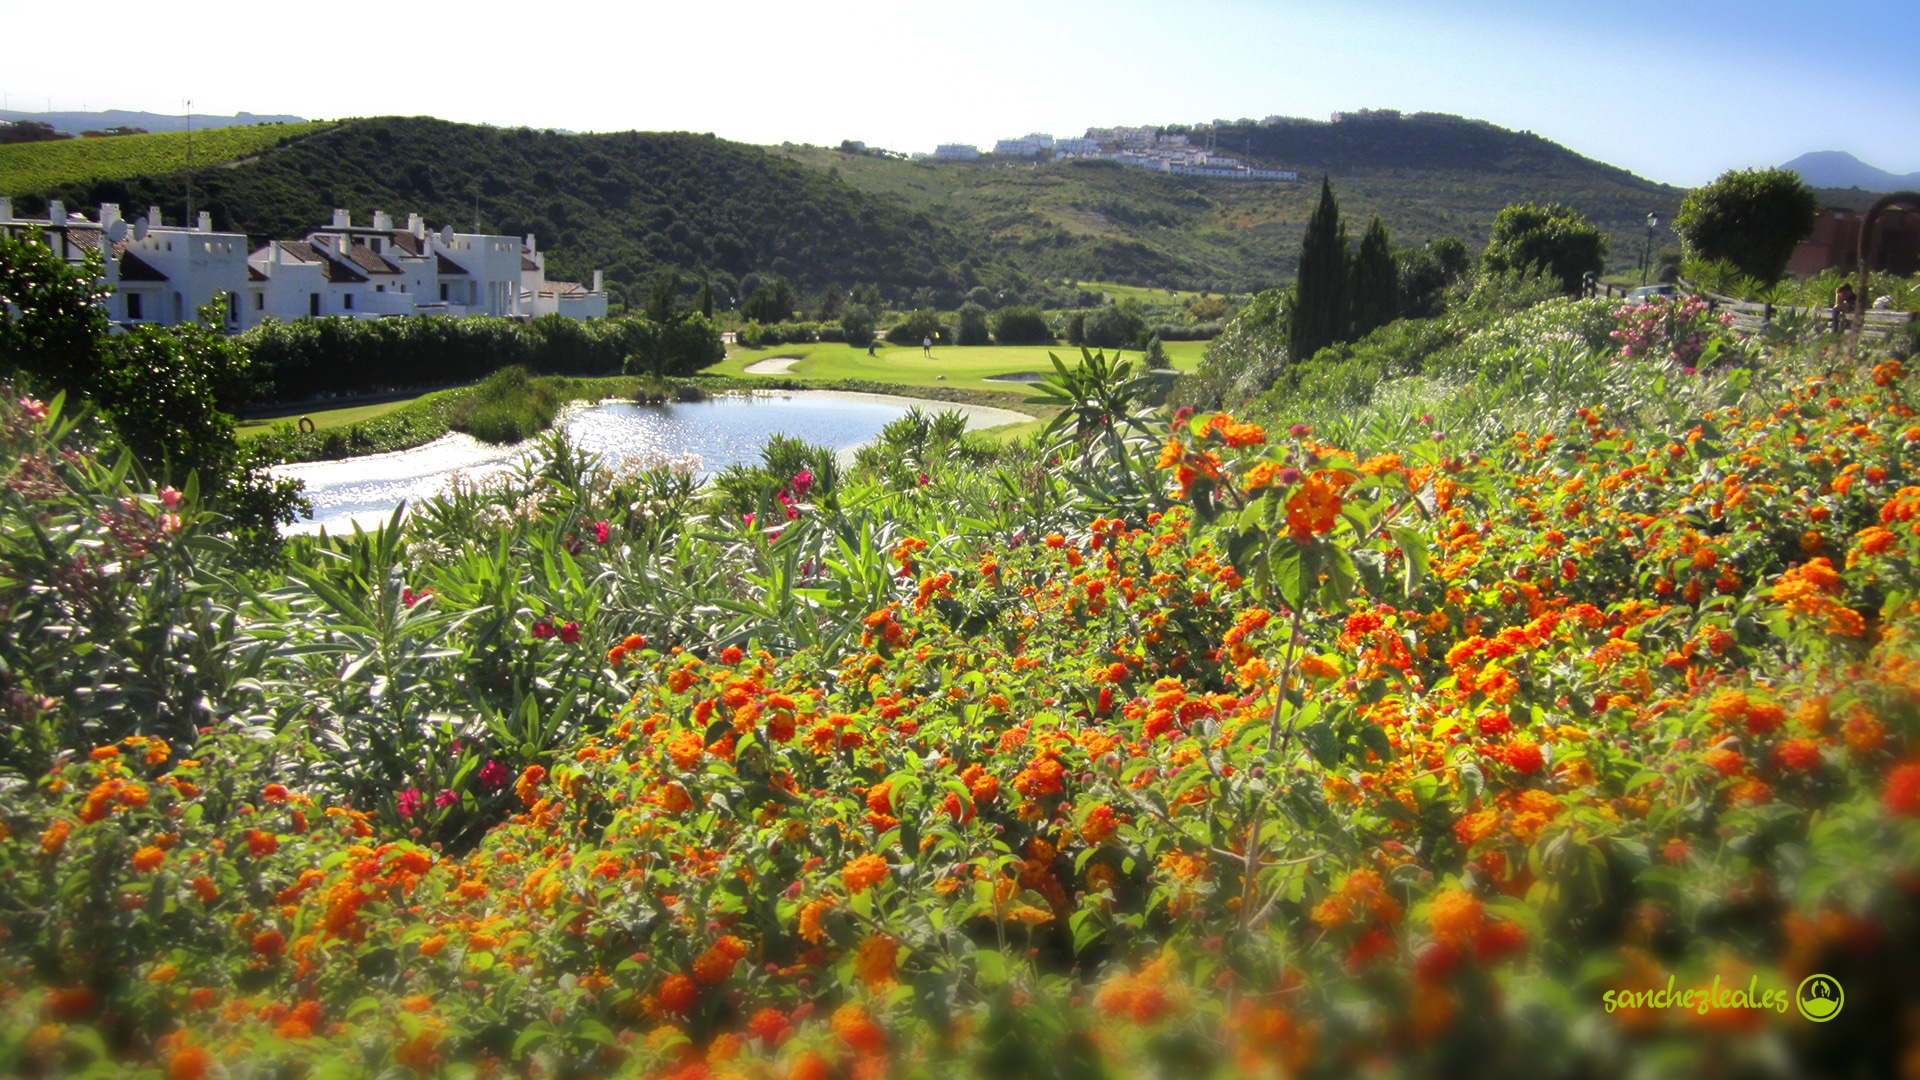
[
  {"x": 1750, "y": 217},
  {"x": 660, "y": 297},
  {"x": 765, "y": 306},
  {"x": 970, "y": 325},
  {"x": 856, "y": 322},
  {"x": 1112, "y": 327},
  {"x": 831, "y": 299},
  {"x": 52, "y": 322},
  {"x": 1320, "y": 316},
  {"x": 1556, "y": 239},
  {"x": 703, "y": 300},
  {"x": 1376, "y": 282},
  {"x": 1427, "y": 272}
]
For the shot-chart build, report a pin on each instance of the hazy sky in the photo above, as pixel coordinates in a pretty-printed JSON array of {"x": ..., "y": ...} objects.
[{"x": 1673, "y": 91}]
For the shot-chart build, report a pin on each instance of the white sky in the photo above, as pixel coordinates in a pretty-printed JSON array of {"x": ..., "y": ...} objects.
[{"x": 1673, "y": 91}]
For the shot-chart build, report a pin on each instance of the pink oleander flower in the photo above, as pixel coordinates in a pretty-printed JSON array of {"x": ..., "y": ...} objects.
[
  {"x": 494, "y": 775},
  {"x": 412, "y": 802}
]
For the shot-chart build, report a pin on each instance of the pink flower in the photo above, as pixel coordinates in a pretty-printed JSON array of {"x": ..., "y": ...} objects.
[
  {"x": 1300, "y": 431},
  {"x": 802, "y": 482},
  {"x": 169, "y": 498},
  {"x": 412, "y": 802},
  {"x": 1182, "y": 414},
  {"x": 410, "y": 598},
  {"x": 494, "y": 775},
  {"x": 747, "y": 520},
  {"x": 445, "y": 798},
  {"x": 35, "y": 411},
  {"x": 544, "y": 629},
  {"x": 570, "y": 633},
  {"x": 791, "y": 513},
  {"x": 923, "y": 479},
  {"x": 600, "y": 533}
]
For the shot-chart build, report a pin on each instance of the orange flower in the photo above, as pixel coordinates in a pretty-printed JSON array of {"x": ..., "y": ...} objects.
[
  {"x": 852, "y": 1024},
  {"x": 417, "y": 1003},
  {"x": 678, "y": 993},
  {"x": 433, "y": 945},
  {"x": 1724, "y": 761},
  {"x": 1455, "y": 917},
  {"x": 810, "y": 930},
  {"x": 148, "y": 858},
  {"x": 1313, "y": 508},
  {"x": 269, "y": 944},
  {"x": 1903, "y": 790},
  {"x": 528, "y": 786},
  {"x": 874, "y": 964},
  {"x": 188, "y": 1063},
  {"x": 55, "y": 838},
  {"x": 864, "y": 872}
]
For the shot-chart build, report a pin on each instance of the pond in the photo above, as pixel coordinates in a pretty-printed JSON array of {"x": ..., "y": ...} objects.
[{"x": 719, "y": 432}]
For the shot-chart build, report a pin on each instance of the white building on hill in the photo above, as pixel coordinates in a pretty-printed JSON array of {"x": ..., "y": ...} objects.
[{"x": 163, "y": 274}]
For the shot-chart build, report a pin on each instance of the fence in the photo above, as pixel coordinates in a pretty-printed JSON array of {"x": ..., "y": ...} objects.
[{"x": 1752, "y": 317}]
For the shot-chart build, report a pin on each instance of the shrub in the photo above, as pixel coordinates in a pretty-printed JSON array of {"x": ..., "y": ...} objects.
[
  {"x": 970, "y": 325},
  {"x": 1112, "y": 328},
  {"x": 509, "y": 407},
  {"x": 856, "y": 324},
  {"x": 916, "y": 326},
  {"x": 1021, "y": 326}
]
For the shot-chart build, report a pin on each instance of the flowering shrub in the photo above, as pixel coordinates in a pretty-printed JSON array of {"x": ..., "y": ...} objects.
[
  {"x": 1677, "y": 328},
  {"x": 1341, "y": 762}
]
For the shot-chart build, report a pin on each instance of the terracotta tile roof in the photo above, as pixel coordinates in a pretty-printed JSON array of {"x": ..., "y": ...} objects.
[
  {"x": 132, "y": 268},
  {"x": 364, "y": 258},
  {"x": 528, "y": 264},
  {"x": 448, "y": 266},
  {"x": 409, "y": 243},
  {"x": 300, "y": 250},
  {"x": 82, "y": 239},
  {"x": 341, "y": 273},
  {"x": 561, "y": 288}
]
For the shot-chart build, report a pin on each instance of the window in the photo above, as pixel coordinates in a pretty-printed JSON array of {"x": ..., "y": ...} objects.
[
  {"x": 313, "y": 304},
  {"x": 443, "y": 292},
  {"x": 379, "y": 288},
  {"x": 259, "y": 301},
  {"x": 347, "y": 301},
  {"x": 375, "y": 244},
  {"x": 133, "y": 306},
  {"x": 233, "y": 307}
]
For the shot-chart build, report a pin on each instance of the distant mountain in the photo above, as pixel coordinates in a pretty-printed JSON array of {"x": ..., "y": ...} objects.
[
  {"x": 1839, "y": 169},
  {"x": 73, "y": 123}
]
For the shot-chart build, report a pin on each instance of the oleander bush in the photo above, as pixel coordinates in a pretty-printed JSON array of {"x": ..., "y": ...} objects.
[{"x": 1180, "y": 745}]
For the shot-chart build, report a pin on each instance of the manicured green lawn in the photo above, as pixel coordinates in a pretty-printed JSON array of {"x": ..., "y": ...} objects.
[
  {"x": 329, "y": 418},
  {"x": 951, "y": 365}
]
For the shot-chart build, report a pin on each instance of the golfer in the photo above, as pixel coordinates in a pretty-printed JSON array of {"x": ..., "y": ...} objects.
[{"x": 926, "y": 346}]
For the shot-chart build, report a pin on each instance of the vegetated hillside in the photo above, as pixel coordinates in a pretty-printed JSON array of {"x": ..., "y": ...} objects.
[
  {"x": 36, "y": 168},
  {"x": 629, "y": 203},
  {"x": 1427, "y": 176},
  {"x": 73, "y": 123}
]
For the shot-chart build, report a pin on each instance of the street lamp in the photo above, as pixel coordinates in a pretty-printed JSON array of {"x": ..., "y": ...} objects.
[{"x": 1646, "y": 253}]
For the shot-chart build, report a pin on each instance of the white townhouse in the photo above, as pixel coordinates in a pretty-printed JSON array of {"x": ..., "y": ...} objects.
[{"x": 162, "y": 274}]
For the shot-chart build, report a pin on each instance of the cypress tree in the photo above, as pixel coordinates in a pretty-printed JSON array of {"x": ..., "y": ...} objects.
[
  {"x": 1320, "y": 305},
  {"x": 1376, "y": 282}
]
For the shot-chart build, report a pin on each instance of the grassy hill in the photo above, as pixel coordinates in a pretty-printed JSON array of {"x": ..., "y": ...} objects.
[
  {"x": 629, "y": 203},
  {"x": 1427, "y": 176},
  {"x": 34, "y": 168},
  {"x": 633, "y": 202}
]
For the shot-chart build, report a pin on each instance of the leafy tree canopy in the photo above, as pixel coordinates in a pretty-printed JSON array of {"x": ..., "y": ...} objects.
[
  {"x": 1557, "y": 239},
  {"x": 1750, "y": 217}
]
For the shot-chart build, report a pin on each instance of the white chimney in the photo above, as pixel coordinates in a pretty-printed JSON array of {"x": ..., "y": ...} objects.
[
  {"x": 109, "y": 213},
  {"x": 342, "y": 219},
  {"x": 206, "y": 221},
  {"x": 6, "y": 208},
  {"x": 383, "y": 221},
  {"x": 531, "y": 246},
  {"x": 596, "y": 282},
  {"x": 273, "y": 253},
  {"x": 56, "y": 212},
  {"x": 417, "y": 225},
  {"x": 153, "y": 217}
]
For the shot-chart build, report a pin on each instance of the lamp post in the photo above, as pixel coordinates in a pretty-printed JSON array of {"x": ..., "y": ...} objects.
[{"x": 1646, "y": 253}]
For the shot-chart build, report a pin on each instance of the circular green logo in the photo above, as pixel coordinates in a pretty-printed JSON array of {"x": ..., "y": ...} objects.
[{"x": 1820, "y": 998}]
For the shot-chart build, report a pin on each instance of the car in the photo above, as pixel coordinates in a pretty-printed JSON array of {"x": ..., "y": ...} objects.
[{"x": 1647, "y": 292}]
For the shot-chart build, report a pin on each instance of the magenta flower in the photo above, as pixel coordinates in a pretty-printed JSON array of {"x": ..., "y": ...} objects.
[
  {"x": 494, "y": 775},
  {"x": 544, "y": 629},
  {"x": 412, "y": 802},
  {"x": 169, "y": 497},
  {"x": 802, "y": 482},
  {"x": 570, "y": 633},
  {"x": 445, "y": 798},
  {"x": 600, "y": 532}
]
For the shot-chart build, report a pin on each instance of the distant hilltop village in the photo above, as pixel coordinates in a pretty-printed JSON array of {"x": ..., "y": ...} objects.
[{"x": 1149, "y": 148}]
